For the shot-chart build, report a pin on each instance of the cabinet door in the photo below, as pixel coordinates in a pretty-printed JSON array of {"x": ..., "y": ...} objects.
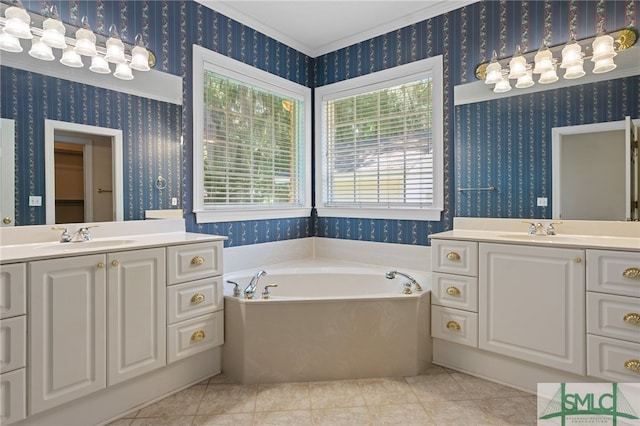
[
  {"x": 137, "y": 313},
  {"x": 532, "y": 304},
  {"x": 67, "y": 333}
]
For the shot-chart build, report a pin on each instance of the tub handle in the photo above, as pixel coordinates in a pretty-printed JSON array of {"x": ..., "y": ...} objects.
[
  {"x": 453, "y": 326},
  {"x": 266, "y": 293},
  {"x": 236, "y": 288}
]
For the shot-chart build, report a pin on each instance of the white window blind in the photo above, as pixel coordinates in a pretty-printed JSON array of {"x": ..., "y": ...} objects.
[
  {"x": 379, "y": 147},
  {"x": 251, "y": 152}
]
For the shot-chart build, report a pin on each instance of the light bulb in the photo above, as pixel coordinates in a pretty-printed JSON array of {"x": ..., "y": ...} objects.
[
  {"x": 123, "y": 72},
  {"x": 543, "y": 60},
  {"x": 39, "y": 50},
  {"x": 574, "y": 71},
  {"x": 603, "y": 48},
  {"x": 139, "y": 56},
  {"x": 17, "y": 23},
  {"x": 494, "y": 70},
  {"x": 9, "y": 43},
  {"x": 604, "y": 65},
  {"x": 85, "y": 40},
  {"x": 99, "y": 65},
  {"x": 502, "y": 86},
  {"x": 115, "y": 47},
  {"x": 53, "y": 31},
  {"x": 571, "y": 54},
  {"x": 525, "y": 81},
  {"x": 517, "y": 64},
  {"x": 71, "y": 59},
  {"x": 549, "y": 76}
]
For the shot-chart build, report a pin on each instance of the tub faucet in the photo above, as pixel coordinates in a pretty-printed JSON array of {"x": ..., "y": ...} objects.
[
  {"x": 253, "y": 284},
  {"x": 392, "y": 274}
]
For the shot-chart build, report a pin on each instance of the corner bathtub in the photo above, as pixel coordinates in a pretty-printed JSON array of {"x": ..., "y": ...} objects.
[{"x": 326, "y": 322}]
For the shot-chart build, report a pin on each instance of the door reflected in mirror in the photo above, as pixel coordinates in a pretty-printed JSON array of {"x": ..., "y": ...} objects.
[{"x": 84, "y": 173}]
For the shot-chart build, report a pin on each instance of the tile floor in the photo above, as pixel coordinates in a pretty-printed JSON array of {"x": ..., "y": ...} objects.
[{"x": 437, "y": 397}]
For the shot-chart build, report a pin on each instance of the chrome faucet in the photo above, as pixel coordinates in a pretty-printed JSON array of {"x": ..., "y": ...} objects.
[
  {"x": 66, "y": 236},
  {"x": 81, "y": 234},
  {"x": 253, "y": 284},
  {"x": 539, "y": 229},
  {"x": 412, "y": 281},
  {"x": 266, "y": 293}
]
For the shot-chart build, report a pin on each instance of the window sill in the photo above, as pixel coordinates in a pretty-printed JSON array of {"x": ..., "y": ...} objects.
[
  {"x": 432, "y": 214},
  {"x": 224, "y": 215}
]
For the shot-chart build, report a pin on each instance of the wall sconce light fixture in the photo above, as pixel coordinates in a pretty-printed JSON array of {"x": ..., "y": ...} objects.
[
  {"x": 49, "y": 32},
  {"x": 521, "y": 67}
]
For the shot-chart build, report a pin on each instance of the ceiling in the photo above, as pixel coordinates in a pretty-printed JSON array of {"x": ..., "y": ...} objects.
[{"x": 316, "y": 27}]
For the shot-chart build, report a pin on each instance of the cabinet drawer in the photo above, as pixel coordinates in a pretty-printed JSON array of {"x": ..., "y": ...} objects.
[
  {"x": 455, "y": 257},
  {"x": 454, "y": 325},
  {"x": 13, "y": 343},
  {"x": 12, "y": 290},
  {"x": 196, "y": 335},
  {"x": 13, "y": 398},
  {"x": 193, "y": 261},
  {"x": 455, "y": 291},
  {"x": 612, "y": 359},
  {"x": 616, "y": 272},
  {"x": 195, "y": 298},
  {"x": 613, "y": 316}
]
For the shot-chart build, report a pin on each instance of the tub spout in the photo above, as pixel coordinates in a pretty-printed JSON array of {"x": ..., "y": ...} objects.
[
  {"x": 253, "y": 284},
  {"x": 392, "y": 274}
]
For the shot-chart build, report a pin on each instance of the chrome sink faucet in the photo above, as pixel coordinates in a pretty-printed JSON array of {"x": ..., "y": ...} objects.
[
  {"x": 253, "y": 284},
  {"x": 412, "y": 281},
  {"x": 81, "y": 234},
  {"x": 539, "y": 229}
]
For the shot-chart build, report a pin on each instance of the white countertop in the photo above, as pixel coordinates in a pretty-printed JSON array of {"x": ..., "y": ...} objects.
[
  {"x": 28, "y": 243},
  {"x": 575, "y": 234}
]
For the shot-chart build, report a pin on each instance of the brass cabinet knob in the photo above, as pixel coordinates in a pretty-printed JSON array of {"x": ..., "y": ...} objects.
[
  {"x": 453, "y": 326},
  {"x": 100, "y": 265},
  {"x": 197, "y": 298},
  {"x": 198, "y": 260},
  {"x": 453, "y": 291},
  {"x": 577, "y": 260},
  {"x": 114, "y": 263},
  {"x": 632, "y": 273},
  {"x": 6, "y": 220},
  {"x": 197, "y": 336},
  {"x": 633, "y": 365},
  {"x": 452, "y": 255},
  {"x": 632, "y": 318}
]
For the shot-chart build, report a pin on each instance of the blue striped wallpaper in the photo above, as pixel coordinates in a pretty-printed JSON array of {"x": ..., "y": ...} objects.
[{"x": 514, "y": 157}]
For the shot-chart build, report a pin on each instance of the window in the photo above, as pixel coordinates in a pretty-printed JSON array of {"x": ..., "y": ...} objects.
[
  {"x": 379, "y": 138},
  {"x": 251, "y": 142}
]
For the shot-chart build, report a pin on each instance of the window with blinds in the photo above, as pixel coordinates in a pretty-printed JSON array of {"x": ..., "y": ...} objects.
[
  {"x": 379, "y": 143},
  {"x": 251, "y": 154},
  {"x": 251, "y": 142}
]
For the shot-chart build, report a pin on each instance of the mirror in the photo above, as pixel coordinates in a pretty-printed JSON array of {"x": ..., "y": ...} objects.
[
  {"x": 146, "y": 113},
  {"x": 7, "y": 172},
  {"x": 83, "y": 169},
  {"x": 595, "y": 171}
]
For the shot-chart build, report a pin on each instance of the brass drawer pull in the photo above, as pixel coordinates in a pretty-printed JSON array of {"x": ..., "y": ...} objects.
[
  {"x": 452, "y": 255},
  {"x": 197, "y": 336},
  {"x": 453, "y": 326},
  {"x": 197, "y": 298},
  {"x": 632, "y": 318},
  {"x": 633, "y": 365},
  {"x": 453, "y": 291},
  {"x": 632, "y": 273},
  {"x": 100, "y": 265},
  {"x": 6, "y": 220},
  {"x": 198, "y": 260},
  {"x": 114, "y": 263}
]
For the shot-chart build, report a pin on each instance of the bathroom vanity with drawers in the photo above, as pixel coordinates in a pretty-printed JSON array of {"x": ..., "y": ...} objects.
[
  {"x": 522, "y": 309},
  {"x": 93, "y": 329}
]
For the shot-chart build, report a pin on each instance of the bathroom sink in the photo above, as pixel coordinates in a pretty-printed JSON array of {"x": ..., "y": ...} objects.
[
  {"x": 85, "y": 245},
  {"x": 542, "y": 238}
]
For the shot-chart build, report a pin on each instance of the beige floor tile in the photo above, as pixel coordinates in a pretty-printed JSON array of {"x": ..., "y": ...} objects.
[
  {"x": 221, "y": 378},
  {"x": 282, "y": 418},
  {"x": 238, "y": 419},
  {"x": 283, "y": 397},
  {"x": 433, "y": 369},
  {"x": 509, "y": 411},
  {"x": 334, "y": 394},
  {"x": 456, "y": 413},
  {"x": 406, "y": 414},
  {"x": 479, "y": 388},
  {"x": 386, "y": 391},
  {"x": 341, "y": 416},
  {"x": 228, "y": 398},
  {"x": 163, "y": 421},
  {"x": 185, "y": 402},
  {"x": 121, "y": 422},
  {"x": 437, "y": 387}
]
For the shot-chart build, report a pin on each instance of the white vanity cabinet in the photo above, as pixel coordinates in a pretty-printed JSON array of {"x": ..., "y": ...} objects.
[
  {"x": 532, "y": 304},
  {"x": 96, "y": 321},
  {"x": 454, "y": 312},
  {"x": 613, "y": 315},
  {"x": 136, "y": 314},
  {"x": 67, "y": 329},
  {"x": 195, "y": 320},
  {"x": 13, "y": 346}
]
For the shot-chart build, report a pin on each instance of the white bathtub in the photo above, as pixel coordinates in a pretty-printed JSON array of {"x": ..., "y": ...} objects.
[{"x": 326, "y": 321}]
